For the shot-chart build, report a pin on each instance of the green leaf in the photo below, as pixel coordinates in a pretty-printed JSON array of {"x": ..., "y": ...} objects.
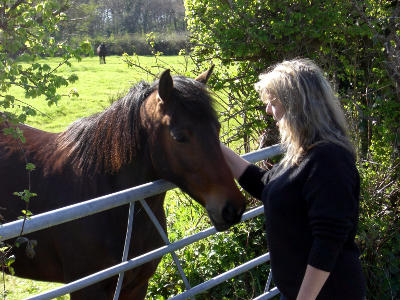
[
  {"x": 9, "y": 260},
  {"x": 30, "y": 167}
]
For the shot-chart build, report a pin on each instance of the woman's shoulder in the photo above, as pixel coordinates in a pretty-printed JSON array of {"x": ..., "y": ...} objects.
[
  {"x": 330, "y": 164},
  {"x": 329, "y": 151},
  {"x": 329, "y": 157}
]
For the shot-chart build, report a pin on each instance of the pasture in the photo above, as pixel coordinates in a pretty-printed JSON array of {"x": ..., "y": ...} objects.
[{"x": 97, "y": 86}]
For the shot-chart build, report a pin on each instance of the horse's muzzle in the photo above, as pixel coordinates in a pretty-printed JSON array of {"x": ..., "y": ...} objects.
[{"x": 229, "y": 216}]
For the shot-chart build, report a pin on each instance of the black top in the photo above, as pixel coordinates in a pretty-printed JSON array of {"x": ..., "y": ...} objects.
[{"x": 311, "y": 212}]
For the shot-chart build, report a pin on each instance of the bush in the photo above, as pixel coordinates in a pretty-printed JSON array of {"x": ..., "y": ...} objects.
[
  {"x": 168, "y": 44},
  {"x": 210, "y": 257},
  {"x": 379, "y": 229}
]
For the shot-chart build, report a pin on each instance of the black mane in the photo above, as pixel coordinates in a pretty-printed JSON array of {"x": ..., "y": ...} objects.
[{"x": 106, "y": 140}]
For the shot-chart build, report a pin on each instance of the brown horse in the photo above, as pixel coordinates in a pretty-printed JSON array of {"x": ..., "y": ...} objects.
[
  {"x": 165, "y": 130},
  {"x": 102, "y": 52}
]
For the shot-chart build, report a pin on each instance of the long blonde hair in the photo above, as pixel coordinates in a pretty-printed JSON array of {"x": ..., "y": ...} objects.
[{"x": 312, "y": 111}]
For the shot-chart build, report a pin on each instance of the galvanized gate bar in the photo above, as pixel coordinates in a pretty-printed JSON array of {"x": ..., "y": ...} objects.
[
  {"x": 135, "y": 262},
  {"x": 76, "y": 211},
  {"x": 90, "y": 207},
  {"x": 268, "y": 295},
  {"x": 268, "y": 281},
  {"x": 222, "y": 277},
  {"x": 126, "y": 249},
  {"x": 166, "y": 241},
  {"x": 263, "y": 153},
  {"x": 83, "y": 209}
]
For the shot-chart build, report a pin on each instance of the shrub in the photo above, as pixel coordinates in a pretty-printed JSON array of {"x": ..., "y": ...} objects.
[
  {"x": 210, "y": 257},
  {"x": 379, "y": 229},
  {"x": 168, "y": 44}
]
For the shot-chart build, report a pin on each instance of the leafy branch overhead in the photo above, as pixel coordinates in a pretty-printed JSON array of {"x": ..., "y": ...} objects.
[
  {"x": 357, "y": 44},
  {"x": 27, "y": 30},
  {"x": 27, "y": 33}
]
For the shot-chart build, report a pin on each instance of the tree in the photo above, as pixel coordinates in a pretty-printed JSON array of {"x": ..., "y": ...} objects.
[
  {"x": 105, "y": 17},
  {"x": 357, "y": 43},
  {"x": 83, "y": 19},
  {"x": 27, "y": 30}
]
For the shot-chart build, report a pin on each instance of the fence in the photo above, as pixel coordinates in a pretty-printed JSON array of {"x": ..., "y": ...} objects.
[{"x": 130, "y": 196}]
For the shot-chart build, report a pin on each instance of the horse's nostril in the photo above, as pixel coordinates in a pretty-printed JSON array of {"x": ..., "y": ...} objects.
[{"x": 230, "y": 215}]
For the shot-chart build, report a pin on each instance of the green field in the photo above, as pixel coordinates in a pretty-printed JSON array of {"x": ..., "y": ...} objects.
[{"x": 97, "y": 84}]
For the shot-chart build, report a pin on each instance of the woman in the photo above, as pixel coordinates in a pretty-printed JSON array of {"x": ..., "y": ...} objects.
[{"x": 311, "y": 198}]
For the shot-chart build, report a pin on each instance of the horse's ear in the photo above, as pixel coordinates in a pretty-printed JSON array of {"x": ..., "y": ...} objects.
[
  {"x": 165, "y": 86},
  {"x": 203, "y": 77}
]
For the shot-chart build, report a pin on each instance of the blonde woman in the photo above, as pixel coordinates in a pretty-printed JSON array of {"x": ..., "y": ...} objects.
[{"x": 311, "y": 198}]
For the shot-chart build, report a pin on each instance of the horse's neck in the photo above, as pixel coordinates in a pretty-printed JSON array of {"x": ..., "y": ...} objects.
[{"x": 138, "y": 172}]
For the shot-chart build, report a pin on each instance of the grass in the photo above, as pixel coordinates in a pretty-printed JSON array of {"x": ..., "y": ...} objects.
[
  {"x": 18, "y": 288},
  {"x": 96, "y": 85}
]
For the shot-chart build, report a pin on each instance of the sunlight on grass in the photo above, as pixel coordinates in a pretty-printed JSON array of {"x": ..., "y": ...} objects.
[
  {"x": 19, "y": 288},
  {"x": 96, "y": 85}
]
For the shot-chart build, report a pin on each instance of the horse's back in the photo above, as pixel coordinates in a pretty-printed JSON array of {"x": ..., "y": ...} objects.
[{"x": 14, "y": 155}]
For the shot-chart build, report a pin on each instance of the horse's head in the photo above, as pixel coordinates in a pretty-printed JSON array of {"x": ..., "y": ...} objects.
[{"x": 183, "y": 137}]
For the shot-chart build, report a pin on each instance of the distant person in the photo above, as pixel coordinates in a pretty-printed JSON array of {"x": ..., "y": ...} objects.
[
  {"x": 102, "y": 52},
  {"x": 311, "y": 198}
]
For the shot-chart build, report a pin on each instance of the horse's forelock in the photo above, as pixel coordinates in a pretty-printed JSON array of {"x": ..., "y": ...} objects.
[{"x": 194, "y": 98}]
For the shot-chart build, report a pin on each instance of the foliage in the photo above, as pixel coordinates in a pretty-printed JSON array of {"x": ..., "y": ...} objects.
[
  {"x": 118, "y": 17},
  {"x": 169, "y": 44},
  {"x": 357, "y": 43},
  {"x": 26, "y": 34},
  {"x": 27, "y": 30},
  {"x": 246, "y": 37},
  {"x": 379, "y": 230},
  {"x": 208, "y": 258}
]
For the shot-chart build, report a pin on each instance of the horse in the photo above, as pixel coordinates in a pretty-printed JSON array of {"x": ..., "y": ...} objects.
[
  {"x": 102, "y": 52},
  {"x": 166, "y": 130}
]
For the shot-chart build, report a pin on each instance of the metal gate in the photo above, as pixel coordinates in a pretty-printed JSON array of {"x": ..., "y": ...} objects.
[{"x": 130, "y": 196}]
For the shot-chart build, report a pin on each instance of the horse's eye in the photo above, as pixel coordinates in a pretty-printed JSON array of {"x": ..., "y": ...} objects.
[{"x": 178, "y": 135}]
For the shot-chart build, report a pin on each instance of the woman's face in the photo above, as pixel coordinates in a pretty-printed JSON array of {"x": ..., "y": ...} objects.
[{"x": 274, "y": 108}]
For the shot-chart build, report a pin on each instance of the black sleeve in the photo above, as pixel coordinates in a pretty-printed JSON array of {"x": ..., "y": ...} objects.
[
  {"x": 332, "y": 203},
  {"x": 253, "y": 180}
]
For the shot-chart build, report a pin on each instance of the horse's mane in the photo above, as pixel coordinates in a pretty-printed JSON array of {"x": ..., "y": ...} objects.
[{"x": 107, "y": 140}]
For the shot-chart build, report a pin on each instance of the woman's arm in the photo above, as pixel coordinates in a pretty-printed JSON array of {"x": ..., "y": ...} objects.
[
  {"x": 234, "y": 161},
  {"x": 314, "y": 279}
]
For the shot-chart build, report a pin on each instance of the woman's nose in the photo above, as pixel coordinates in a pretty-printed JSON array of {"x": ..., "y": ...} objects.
[{"x": 268, "y": 109}]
